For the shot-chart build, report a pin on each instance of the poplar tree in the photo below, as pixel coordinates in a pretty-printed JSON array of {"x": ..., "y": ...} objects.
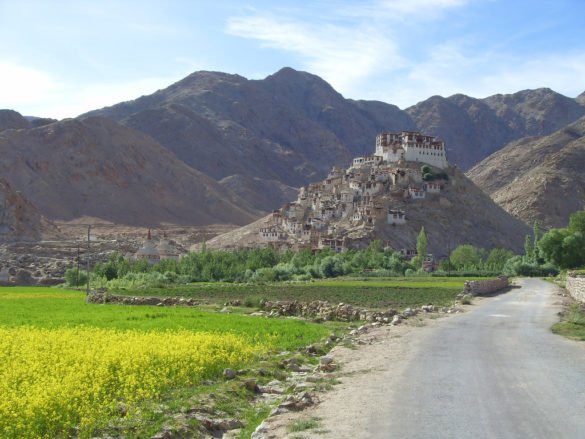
[{"x": 421, "y": 245}]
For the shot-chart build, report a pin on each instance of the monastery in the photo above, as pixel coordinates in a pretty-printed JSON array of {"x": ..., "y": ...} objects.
[
  {"x": 153, "y": 253},
  {"x": 375, "y": 191}
]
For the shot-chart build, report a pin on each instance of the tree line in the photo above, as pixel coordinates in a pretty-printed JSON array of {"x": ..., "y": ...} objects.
[{"x": 544, "y": 255}]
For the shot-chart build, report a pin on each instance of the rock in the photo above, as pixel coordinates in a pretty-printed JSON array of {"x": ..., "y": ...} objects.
[
  {"x": 396, "y": 320},
  {"x": 325, "y": 360},
  {"x": 229, "y": 374},
  {"x": 251, "y": 386},
  {"x": 409, "y": 312}
]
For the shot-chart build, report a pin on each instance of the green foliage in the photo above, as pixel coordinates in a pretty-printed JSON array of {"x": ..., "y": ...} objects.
[
  {"x": 529, "y": 248},
  {"x": 497, "y": 258},
  {"x": 573, "y": 323},
  {"x": 425, "y": 169},
  {"x": 577, "y": 222},
  {"x": 75, "y": 278},
  {"x": 465, "y": 256},
  {"x": 421, "y": 247},
  {"x": 565, "y": 248}
]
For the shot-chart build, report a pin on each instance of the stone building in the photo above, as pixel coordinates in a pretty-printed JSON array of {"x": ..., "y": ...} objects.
[{"x": 411, "y": 146}]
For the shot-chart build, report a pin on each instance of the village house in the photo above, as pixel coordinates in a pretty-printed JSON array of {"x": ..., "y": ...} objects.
[
  {"x": 271, "y": 234},
  {"x": 335, "y": 244},
  {"x": 416, "y": 194},
  {"x": 396, "y": 217},
  {"x": 432, "y": 187}
]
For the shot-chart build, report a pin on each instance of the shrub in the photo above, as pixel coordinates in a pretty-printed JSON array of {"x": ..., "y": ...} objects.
[{"x": 75, "y": 278}]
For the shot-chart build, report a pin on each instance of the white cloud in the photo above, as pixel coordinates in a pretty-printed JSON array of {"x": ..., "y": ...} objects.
[
  {"x": 450, "y": 70},
  {"x": 36, "y": 93},
  {"x": 350, "y": 46},
  {"x": 20, "y": 85},
  {"x": 342, "y": 56},
  {"x": 420, "y": 10}
]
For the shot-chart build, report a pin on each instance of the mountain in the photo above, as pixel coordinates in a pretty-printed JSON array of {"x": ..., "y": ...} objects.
[
  {"x": 538, "y": 178},
  {"x": 98, "y": 168},
  {"x": 19, "y": 219},
  {"x": 10, "y": 119},
  {"x": 292, "y": 126},
  {"x": 475, "y": 128}
]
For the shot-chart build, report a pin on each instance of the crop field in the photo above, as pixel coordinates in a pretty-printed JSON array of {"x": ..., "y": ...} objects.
[
  {"x": 368, "y": 292},
  {"x": 68, "y": 368}
]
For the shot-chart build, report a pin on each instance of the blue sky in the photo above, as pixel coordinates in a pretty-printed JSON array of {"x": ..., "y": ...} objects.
[{"x": 61, "y": 58}]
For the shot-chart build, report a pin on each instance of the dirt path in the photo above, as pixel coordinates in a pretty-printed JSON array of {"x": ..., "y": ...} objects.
[{"x": 368, "y": 373}]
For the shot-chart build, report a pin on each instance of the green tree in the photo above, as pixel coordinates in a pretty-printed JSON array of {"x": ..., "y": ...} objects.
[
  {"x": 537, "y": 235},
  {"x": 497, "y": 258},
  {"x": 577, "y": 222},
  {"x": 421, "y": 247},
  {"x": 565, "y": 248},
  {"x": 465, "y": 256},
  {"x": 529, "y": 248}
]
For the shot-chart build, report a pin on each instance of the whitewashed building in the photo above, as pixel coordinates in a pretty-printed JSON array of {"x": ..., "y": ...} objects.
[{"x": 410, "y": 146}]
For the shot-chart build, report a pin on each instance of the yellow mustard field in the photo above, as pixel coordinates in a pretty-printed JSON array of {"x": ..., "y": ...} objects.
[{"x": 70, "y": 381}]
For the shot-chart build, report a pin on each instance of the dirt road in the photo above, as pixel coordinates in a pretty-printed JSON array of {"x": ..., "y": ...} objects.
[{"x": 495, "y": 371}]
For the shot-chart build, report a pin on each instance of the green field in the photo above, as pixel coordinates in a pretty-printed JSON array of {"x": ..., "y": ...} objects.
[
  {"x": 366, "y": 292},
  {"x": 67, "y": 366}
]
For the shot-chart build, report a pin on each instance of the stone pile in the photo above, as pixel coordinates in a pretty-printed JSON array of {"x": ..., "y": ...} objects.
[
  {"x": 576, "y": 286},
  {"x": 101, "y": 296},
  {"x": 323, "y": 310},
  {"x": 479, "y": 287}
]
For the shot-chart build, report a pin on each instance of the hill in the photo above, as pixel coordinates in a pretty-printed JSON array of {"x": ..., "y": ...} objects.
[
  {"x": 98, "y": 168},
  {"x": 19, "y": 219},
  {"x": 385, "y": 197},
  {"x": 538, "y": 178}
]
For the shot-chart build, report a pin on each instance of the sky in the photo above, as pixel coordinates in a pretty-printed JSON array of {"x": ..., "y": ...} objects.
[{"x": 62, "y": 58}]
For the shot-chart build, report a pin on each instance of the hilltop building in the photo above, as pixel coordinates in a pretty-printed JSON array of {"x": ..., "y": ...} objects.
[
  {"x": 374, "y": 192},
  {"x": 411, "y": 146}
]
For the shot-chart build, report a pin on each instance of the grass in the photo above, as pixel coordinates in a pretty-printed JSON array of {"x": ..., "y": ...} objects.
[
  {"x": 364, "y": 292},
  {"x": 573, "y": 323},
  {"x": 54, "y": 308},
  {"x": 304, "y": 424}
]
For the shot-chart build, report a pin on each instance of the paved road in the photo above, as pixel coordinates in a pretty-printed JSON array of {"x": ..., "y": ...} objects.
[{"x": 495, "y": 372}]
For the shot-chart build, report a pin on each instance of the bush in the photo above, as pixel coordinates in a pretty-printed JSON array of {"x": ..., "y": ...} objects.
[{"x": 73, "y": 279}]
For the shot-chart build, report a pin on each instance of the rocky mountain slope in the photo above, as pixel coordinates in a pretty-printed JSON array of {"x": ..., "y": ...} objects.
[
  {"x": 475, "y": 128},
  {"x": 538, "y": 178},
  {"x": 292, "y": 126},
  {"x": 19, "y": 219},
  {"x": 98, "y": 168}
]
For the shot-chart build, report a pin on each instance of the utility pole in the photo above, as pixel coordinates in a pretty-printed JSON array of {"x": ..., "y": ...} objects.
[
  {"x": 449, "y": 258},
  {"x": 88, "y": 229},
  {"x": 77, "y": 283}
]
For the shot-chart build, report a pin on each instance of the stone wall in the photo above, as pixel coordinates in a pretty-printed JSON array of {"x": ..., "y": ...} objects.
[
  {"x": 576, "y": 286},
  {"x": 480, "y": 287}
]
